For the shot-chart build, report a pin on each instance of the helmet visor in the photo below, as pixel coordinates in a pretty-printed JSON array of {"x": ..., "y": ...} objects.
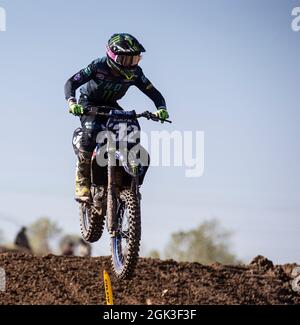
[{"x": 128, "y": 60}]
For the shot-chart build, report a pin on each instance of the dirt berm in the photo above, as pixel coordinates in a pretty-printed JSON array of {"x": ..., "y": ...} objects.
[{"x": 74, "y": 280}]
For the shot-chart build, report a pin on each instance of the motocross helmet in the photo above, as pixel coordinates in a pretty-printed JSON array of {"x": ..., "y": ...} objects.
[{"x": 124, "y": 53}]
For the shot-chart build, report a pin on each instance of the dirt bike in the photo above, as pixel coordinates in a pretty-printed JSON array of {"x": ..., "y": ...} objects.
[{"x": 115, "y": 189}]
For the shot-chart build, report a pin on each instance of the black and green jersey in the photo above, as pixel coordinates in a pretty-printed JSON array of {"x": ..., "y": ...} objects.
[{"x": 101, "y": 86}]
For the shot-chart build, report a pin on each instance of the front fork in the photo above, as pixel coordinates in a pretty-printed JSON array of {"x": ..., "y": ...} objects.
[
  {"x": 135, "y": 187},
  {"x": 111, "y": 195},
  {"x": 112, "y": 199}
]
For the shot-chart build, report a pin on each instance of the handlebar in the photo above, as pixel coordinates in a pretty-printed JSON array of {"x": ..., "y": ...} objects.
[{"x": 148, "y": 115}]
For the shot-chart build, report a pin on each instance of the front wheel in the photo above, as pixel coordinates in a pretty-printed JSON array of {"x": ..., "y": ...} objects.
[{"x": 125, "y": 244}]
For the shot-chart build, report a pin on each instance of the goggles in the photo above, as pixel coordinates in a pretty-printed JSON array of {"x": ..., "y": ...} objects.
[{"x": 123, "y": 59}]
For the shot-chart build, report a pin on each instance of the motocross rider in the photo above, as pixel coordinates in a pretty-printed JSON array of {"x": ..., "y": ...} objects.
[{"x": 105, "y": 81}]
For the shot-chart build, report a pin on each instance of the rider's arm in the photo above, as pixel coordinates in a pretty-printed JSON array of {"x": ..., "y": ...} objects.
[
  {"x": 79, "y": 79},
  {"x": 148, "y": 89}
]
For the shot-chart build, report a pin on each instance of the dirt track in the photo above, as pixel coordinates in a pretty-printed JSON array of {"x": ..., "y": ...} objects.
[{"x": 74, "y": 280}]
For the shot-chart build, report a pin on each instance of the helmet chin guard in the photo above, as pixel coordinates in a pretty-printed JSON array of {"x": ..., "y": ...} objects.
[{"x": 127, "y": 72}]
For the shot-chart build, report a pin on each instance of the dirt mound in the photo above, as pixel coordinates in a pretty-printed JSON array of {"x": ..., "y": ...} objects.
[{"x": 74, "y": 280}]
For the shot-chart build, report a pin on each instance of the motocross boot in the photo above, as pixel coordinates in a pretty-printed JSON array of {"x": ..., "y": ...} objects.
[
  {"x": 99, "y": 194},
  {"x": 83, "y": 176}
]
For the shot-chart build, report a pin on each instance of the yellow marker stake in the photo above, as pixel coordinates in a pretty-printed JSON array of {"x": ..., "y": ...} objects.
[{"x": 108, "y": 289}]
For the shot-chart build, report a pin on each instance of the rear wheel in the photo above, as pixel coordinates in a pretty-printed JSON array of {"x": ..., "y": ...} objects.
[
  {"x": 126, "y": 242},
  {"x": 91, "y": 223}
]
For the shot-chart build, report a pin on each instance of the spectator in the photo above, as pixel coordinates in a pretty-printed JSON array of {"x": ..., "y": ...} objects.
[
  {"x": 22, "y": 241},
  {"x": 68, "y": 249}
]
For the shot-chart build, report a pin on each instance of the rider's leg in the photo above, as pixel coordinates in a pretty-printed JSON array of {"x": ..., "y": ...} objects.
[
  {"x": 83, "y": 176},
  {"x": 83, "y": 170}
]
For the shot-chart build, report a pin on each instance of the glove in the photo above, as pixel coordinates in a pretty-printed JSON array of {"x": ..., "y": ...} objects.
[
  {"x": 76, "y": 109},
  {"x": 162, "y": 114}
]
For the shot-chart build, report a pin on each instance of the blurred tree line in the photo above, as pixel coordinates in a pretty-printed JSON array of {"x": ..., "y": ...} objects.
[
  {"x": 207, "y": 244},
  {"x": 40, "y": 233}
]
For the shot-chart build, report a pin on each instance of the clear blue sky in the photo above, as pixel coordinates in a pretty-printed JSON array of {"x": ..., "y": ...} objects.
[{"x": 228, "y": 67}]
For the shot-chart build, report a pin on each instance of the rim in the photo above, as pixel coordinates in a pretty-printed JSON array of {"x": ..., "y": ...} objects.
[{"x": 121, "y": 240}]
